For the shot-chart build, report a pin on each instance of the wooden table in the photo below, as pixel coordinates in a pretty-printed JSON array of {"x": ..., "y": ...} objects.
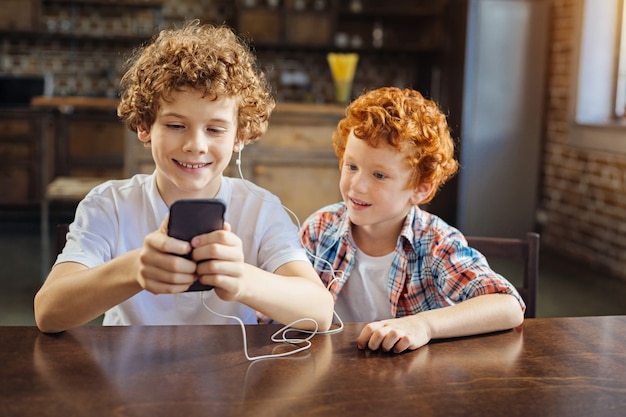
[{"x": 551, "y": 367}]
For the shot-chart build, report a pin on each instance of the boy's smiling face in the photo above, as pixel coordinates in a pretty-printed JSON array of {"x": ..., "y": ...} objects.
[
  {"x": 192, "y": 142},
  {"x": 374, "y": 185}
]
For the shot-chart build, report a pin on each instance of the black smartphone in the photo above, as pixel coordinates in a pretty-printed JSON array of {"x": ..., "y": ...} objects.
[{"x": 193, "y": 217}]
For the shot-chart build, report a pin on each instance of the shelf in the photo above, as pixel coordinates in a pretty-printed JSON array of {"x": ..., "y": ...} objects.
[
  {"x": 390, "y": 13},
  {"x": 108, "y": 3},
  {"x": 377, "y": 7},
  {"x": 370, "y": 50},
  {"x": 75, "y": 37},
  {"x": 111, "y": 20},
  {"x": 405, "y": 27},
  {"x": 85, "y": 103}
]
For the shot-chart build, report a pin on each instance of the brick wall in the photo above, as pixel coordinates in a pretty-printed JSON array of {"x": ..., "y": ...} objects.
[{"x": 583, "y": 201}]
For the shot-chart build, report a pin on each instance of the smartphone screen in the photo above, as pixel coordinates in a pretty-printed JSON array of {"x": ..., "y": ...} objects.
[{"x": 193, "y": 217}]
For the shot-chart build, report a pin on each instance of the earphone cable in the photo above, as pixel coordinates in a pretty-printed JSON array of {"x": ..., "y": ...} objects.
[{"x": 280, "y": 336}]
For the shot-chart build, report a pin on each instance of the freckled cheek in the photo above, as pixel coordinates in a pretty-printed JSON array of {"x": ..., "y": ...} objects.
[{"x": 344, "y": 185}]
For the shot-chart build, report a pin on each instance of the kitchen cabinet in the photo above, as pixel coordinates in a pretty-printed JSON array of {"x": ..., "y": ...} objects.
[
  {"x": 90, "y": 143},
  {"x": 361, "y": 25},
  {"x": 80, "y": 45},
  {"x": 295, "y": 158},
  {"x": 87, "y": 136},
  {"x": 82, "y": 20},
  {"x": 21, "y": 156}
]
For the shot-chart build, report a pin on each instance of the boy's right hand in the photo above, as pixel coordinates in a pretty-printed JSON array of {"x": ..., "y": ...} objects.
[
  {"x": 395, "y": 335},
  {"x": 162, "y": 268}
]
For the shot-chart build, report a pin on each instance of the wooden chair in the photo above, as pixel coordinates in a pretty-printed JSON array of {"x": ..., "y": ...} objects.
[
  {"x": 524, "y": 251},
  {"x": 68, "y": 189}
]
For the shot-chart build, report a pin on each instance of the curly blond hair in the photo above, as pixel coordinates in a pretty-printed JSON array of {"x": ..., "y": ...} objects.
[
  {"x": 207, "y": 58},
  {"x": 408, "y": 122}
]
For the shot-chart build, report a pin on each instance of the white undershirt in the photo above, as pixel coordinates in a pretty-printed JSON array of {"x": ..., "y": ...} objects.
[{"x": 365, "y": 297}]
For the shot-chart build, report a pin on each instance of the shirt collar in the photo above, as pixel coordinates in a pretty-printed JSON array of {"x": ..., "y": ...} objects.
[
  {"x": 407, "y": 233},
  {"x": 343, "y": 228}
]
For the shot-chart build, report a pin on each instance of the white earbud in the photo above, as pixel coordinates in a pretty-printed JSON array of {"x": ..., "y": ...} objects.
[{"x": 239, "y": 148}]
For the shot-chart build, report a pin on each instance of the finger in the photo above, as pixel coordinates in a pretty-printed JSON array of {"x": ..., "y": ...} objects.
[
  {"x": 226, "y": 278},
  {"x": 404, "y": 343},
  {"x": 220, "y": 267},
  {"x": 163, "y": 228},
  {"x": 161, "y": 242},
  {"x": 222, "y": 237},
  {"x": 391, "y": 338},
  {"x": 157, "y": 287},
  {"x": 168, "y": 262},
  {"x": 226, "y": 247},
  {"x": 160, "y": 264},
  {"x": 222, "y": 256},
  {"x": 363, "y": 340},
  {"x": 227, "y": 288}
]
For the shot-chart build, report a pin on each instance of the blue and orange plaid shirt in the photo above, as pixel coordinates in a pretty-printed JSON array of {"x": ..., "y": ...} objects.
[{"x": 433, "y": 266}]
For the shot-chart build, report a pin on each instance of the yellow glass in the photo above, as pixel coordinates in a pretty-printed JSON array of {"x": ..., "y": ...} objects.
[{"x": 342, "y": 68}]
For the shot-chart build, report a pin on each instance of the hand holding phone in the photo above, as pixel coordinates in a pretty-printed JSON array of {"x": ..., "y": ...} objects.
[{"x": 193, "y": 217}]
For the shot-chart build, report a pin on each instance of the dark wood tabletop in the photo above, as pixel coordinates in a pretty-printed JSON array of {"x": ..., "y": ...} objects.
[{"x": 549, "y": 367}]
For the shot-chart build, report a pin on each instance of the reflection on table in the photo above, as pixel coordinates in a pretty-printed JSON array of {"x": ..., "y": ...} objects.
[{"x": 549, "y": 367}]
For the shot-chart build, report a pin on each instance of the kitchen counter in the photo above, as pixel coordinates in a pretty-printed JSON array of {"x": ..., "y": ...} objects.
[
  {"x": 95, "y": 103},
  {"x": 107, "y": 103}
]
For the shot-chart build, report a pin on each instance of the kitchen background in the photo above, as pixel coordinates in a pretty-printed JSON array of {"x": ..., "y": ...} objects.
[
  {"x": 519, "y": 162},
  {"x": 82, "y": 45}
]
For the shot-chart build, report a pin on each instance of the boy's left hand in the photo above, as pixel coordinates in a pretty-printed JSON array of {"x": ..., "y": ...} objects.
[
  {"x": 220, "y": 259},
  {"x": 395, "y": 335}
]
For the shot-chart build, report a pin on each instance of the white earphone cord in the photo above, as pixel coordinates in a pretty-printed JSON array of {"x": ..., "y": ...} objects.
[{"x": 281, "y": 335}]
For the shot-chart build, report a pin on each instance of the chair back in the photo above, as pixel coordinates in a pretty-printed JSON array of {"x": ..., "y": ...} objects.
[{"x": 525, "y": 251}]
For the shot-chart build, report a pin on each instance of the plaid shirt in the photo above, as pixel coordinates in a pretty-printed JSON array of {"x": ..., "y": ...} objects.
[{"x": 433, "y": 266}]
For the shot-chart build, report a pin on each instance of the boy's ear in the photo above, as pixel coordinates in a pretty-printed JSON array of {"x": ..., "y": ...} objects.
[
  {"x": 143, "y": 134},
  {"x": 422, "y": 191}
]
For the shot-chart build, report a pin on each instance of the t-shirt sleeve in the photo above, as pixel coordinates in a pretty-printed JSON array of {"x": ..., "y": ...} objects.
[
  {"x": 278, "y": 241},
  {"x": 91, "y": 234}
]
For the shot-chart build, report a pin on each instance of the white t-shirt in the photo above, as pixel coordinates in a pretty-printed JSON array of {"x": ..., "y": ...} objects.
[
  {"x": 365, "y": 296},
  {"x": 115, "y": 217}
]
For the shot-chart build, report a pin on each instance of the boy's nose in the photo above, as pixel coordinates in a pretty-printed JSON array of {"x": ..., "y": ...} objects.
[
  {"x": 359, "y": 183},
  {"x": 195, "y": 142}
]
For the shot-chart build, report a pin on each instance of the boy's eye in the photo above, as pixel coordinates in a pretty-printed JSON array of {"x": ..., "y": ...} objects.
[
  {"x": 351, "y": 167},
  {"x": 379, "y": 176}
]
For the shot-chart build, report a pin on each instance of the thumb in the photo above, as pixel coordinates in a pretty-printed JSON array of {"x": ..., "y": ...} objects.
[{"x": 163, "y": 227}]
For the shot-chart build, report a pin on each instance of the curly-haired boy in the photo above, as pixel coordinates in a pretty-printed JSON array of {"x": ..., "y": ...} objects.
[
  {"x": 195, "y": 96},
  {"x": 403, "y": 270}
]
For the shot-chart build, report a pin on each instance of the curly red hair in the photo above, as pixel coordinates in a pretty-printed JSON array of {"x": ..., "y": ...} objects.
[
  {"x": 207, "y": 58},
  {"x": 408, "y": 122}
]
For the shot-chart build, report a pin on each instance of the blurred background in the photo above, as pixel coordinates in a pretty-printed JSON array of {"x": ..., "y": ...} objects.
[{"x": 534, "y": 92}]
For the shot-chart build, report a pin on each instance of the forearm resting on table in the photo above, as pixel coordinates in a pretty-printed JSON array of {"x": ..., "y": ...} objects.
[
  {"x": 73, "y": 294},
  {"x": 478, "y": 315},
  {"x": 289, "y": 295}
]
